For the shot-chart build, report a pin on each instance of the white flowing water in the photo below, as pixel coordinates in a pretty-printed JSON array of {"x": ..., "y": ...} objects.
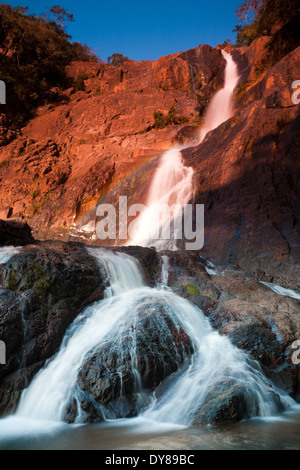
[
  {"x": 220, "y": 107},
  {"x": 172, "y": 184},
  {"x": 171, "y": 187},
  {"x": 215, "y": 357},
  {"x": 48, "y": 394},
  {"x": 6, "y": 252},
  {"x": 165, "y": 270},
  {"x": 282, "y": 290}
]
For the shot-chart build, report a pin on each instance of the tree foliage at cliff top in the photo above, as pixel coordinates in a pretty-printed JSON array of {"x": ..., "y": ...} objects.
[
  {"x": 279, "y": 19},
  {"x": 33, "y": 53}
]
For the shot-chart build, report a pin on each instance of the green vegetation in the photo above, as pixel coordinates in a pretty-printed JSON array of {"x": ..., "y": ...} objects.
[
  {"x": 192, "y": 289},
  {"x": 116, "y": 59},
  {"x": 34, "y": 51},
  {"x": 163, "y": 86},
  {"x": 79, "y": 82},
  {"x": 41, "y": 284},
  {"x": 242, "y": 88},
  {"x": 279, "y": 19},
  {"x": 37, "y": 205},
  {"x": 59, "y": 15},
  {"x": 4, "y": 164},
  {"x": 226, "y": 43},
  {"x": 12, "y": 283},
  {"x": 164, "y": 120},
  {"x": 98, "y": 91}
]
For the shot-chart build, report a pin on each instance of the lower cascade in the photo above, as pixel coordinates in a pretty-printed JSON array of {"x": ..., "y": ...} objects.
[{"x": 147, "y": 352}]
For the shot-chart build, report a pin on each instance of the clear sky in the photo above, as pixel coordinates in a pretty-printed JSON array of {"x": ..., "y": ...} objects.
[{"x": 144, "y": 30}]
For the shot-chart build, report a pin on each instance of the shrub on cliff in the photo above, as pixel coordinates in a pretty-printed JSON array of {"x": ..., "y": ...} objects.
[
  {"x": 164, "y": 120},
  {"x": 116, "y": 59}
]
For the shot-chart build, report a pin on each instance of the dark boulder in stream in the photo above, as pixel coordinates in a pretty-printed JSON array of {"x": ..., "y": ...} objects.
[
  {"x": 117, "y": 379},
  {"x": 230, "y": 401}
]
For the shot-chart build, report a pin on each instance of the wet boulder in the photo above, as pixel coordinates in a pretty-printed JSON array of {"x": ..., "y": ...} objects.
[
  {"x": 231, "y": 401},
  {"x": 117, "y": 379},
  {"x": 44, "y": 288}
]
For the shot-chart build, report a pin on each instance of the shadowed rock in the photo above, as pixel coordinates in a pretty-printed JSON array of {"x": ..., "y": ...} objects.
[{"x": 15, "y": 233}]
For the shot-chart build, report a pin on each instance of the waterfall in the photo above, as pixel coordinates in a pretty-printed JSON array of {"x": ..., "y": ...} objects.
[
  {"x": 220, "y": 107},
  {"x": 215, "y": 358},
  {"x": 48, "y": 394},
  {"x": 172, "y": 184}
]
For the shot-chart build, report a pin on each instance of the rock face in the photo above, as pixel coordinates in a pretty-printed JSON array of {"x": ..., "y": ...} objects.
[
  {"x": 15, "y": 233},
  {"x": 78, "y": 148},
  {"x": 254, "y": 318},
  {"x": 247, "y": 175},
  {"x": 43, "y": 288},
  {"x": 101, "y": 142},
  {"x": 116, "y": 380}
]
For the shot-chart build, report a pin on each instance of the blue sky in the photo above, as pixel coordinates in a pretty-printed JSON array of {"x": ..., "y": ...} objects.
[{"x": 144, "y": 30}]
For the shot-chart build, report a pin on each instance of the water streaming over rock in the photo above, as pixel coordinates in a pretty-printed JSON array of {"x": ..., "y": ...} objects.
[
  {"x": 220, "y": 107},
  {"x": 209, "y": 361},
  {"x": 168, "y": 362},
  {"x": 6, "y": 252},
  {"x": 172, "y": 184},
  {"x": 282, "y": 290}
]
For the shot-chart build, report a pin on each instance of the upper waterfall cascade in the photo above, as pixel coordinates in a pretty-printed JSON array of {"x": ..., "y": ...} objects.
[{"x": 172, "y": 184}]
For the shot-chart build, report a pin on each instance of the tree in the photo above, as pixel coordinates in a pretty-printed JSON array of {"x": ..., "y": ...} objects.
[
  {"x": 61, "y": 16},
  {"x": 249, "y": 10},
  {"x": 34, "y": 53},
  {"x": 116, "y": 59},
  {"x": 279, "y": 19}
]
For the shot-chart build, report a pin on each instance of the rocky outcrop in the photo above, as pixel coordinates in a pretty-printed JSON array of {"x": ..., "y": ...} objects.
[
  {"x": 94, "y": 144},
  {"x": 15, "y": 233},
  {"x": 42, "y": 290},
  {"x": 116, "y": 380},
  {"x": 255, "y": 318},
  {"x": 78, "y": 148},
  {"x": 247, "y": 176}
]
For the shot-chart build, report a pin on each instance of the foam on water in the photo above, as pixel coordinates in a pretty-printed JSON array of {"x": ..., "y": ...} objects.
[
  {"x": 6, "y": 252},
  {"x": 215, "y": 357}
]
